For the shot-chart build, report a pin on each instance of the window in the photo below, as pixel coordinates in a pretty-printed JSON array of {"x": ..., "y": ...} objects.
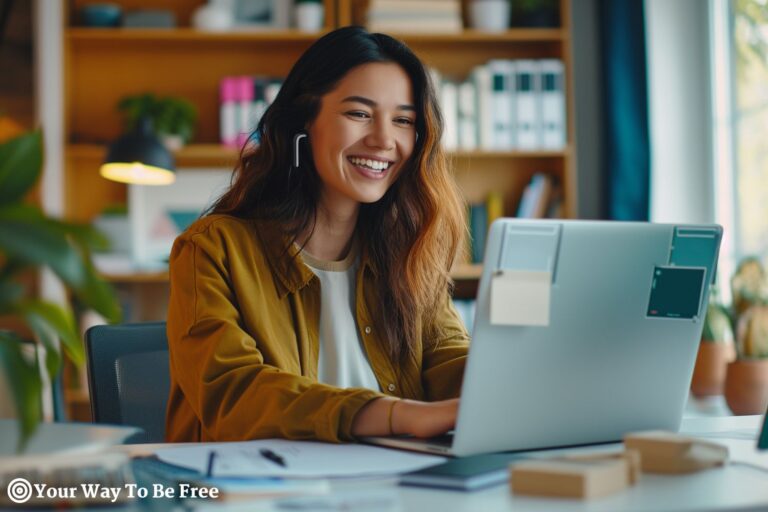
[{"x": 740, "y": 86}]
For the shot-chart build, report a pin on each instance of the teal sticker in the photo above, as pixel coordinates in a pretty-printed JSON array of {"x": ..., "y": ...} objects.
[
  {"x": 696, "y": 247},
  {"x": 676, "y": 292}
]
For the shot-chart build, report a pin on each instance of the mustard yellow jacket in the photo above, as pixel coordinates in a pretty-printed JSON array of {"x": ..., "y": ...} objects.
[{"x": 243, "y": 326}]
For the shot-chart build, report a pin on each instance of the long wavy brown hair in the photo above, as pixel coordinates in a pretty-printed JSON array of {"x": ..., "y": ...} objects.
[{"x": 412, "y": 234}]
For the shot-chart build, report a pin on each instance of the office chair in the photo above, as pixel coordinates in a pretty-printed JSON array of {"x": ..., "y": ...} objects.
[{"x": 128, "y": 376}]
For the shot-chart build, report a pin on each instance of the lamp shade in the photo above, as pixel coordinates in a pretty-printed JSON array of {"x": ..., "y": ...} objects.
[{"x": 140, "y": 158}]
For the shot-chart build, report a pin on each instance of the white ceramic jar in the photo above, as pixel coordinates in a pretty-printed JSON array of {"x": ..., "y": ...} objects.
[
  {"x": 489, "y": 15},
  {"x": 309, "y": 16}
]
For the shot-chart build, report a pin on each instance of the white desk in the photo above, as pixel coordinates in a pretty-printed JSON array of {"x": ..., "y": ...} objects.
[
  {"x": 729, "y": 488},
  {"x": 732, "y": 487}
]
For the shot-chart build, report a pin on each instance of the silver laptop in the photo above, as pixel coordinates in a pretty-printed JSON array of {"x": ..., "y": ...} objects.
[{"x": 584, "y": 330}]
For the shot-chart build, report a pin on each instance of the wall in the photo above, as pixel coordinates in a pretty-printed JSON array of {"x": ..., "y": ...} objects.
[
  {"x": 590, "y": 167},
  {"x": 677, "y": 35}
]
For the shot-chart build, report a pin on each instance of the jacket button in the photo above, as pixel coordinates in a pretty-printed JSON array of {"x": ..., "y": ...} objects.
[
  {"x": 367, "y": 329},
  {"x": 391, "y": 388}
]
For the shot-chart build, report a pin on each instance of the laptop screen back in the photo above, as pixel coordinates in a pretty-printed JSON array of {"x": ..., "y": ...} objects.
[{"x": 583, "y": 331}]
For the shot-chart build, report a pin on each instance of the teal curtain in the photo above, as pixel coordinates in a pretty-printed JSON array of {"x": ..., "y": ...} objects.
[{"x": 627, "y": 144}]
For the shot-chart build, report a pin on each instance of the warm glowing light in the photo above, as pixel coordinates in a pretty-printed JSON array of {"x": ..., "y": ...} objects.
[{"x": 137, "y": 173}]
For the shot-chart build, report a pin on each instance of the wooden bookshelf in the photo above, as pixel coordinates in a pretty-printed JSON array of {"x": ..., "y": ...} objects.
[{"x": 103, "y": 65}]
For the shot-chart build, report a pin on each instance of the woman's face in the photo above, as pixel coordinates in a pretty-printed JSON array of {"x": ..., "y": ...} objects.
[{"x": 364, "y": 133}]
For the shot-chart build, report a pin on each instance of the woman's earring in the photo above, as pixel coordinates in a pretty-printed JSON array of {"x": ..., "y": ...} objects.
[{"x": 296, "y": 139}]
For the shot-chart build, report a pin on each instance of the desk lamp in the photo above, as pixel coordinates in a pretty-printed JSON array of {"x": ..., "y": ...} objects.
[{"x": 138, "y": 157}]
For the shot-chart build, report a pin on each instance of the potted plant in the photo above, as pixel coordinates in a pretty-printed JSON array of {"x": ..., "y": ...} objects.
[
  {"x": 536, "y": 13},
  {"x": 746, "y": 383},
  {"x": 309, "y": 14},
  {"x": 715, "y": 352},
  {"x": 489, "y": 15},
  {"x": 173, "y": 119},
  {"x": 748, "y": 285},
  {"x": 29, "y": 240}
]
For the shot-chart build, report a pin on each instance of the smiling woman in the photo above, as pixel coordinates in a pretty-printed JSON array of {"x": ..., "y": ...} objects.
[{"x": 313, "y": 299}]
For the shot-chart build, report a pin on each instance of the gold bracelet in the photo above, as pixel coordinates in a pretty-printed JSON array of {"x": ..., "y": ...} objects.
[{"x": 389, "y": 418}]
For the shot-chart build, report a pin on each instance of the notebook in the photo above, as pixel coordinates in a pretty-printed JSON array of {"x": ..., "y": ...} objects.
[{"x": 465, "y": 473}]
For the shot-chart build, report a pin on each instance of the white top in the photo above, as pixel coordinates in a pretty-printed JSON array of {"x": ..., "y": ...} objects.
[{"x": 343, "y": 361}]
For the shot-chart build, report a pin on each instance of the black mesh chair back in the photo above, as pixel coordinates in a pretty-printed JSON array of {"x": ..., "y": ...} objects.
[{"x": 128, "y": 376}]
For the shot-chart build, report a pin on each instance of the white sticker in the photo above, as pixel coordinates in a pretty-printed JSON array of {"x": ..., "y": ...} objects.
[{"x": 520, "y": 297}]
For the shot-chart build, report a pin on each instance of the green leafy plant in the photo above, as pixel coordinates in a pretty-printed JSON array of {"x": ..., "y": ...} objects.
[
  {"x": 30, "y": 240},
  {"x": 170, "y": 116},
  {"x": 536, "y": 13}
]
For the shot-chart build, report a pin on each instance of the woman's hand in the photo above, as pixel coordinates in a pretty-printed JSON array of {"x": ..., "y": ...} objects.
[{"x": 420, "y": 419}]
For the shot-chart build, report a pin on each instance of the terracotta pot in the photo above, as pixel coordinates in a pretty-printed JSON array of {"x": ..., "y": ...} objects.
[
  {"x": 711, "y": 364},
  {"x": 746, "y": 386}
]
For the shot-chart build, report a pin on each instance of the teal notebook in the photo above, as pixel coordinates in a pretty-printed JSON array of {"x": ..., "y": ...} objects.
[{"x": 465, "y": 473}]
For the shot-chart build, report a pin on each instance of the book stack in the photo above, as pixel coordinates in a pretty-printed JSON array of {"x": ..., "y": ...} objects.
[
  {"x": 480, "y": 217},
  {"x": 421, "y": 16},
  {"x": 505, "y": 105},
  {"x": 542, "y": 198},
  {"x": 243, "y": 101}
]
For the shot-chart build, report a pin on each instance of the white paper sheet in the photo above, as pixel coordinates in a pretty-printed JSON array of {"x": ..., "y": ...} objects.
[{"x": 303, "y": 459}]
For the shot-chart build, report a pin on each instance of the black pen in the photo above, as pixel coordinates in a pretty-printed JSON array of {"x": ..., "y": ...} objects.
[
  {"x": 211, "y": 458},
  {"x": 272, "y": 457}
]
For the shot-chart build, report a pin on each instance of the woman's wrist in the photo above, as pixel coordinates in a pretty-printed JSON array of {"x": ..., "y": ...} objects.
[{"x": 390, "y": 416}]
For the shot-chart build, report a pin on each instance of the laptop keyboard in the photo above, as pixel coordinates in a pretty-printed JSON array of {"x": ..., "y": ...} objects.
[{"x": 442, "y": 440}]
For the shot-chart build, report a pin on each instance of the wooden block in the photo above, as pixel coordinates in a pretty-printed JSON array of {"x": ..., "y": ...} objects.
[
  {"x": 571, "y": 478},
  {"x": 630, "y": 457},
  {"x": 670, "y": 453}
]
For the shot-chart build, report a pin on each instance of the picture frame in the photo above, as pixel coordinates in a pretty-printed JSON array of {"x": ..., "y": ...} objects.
[
  {"x": 262, "y": 14},
  {"x": 158, "y": 214}
]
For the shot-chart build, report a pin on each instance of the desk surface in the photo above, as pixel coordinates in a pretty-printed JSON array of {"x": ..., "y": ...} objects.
[{"x": 733, "y": 487}]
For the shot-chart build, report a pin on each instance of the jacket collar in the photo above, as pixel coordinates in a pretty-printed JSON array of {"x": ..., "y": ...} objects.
[{"x": 288, "y": 269}]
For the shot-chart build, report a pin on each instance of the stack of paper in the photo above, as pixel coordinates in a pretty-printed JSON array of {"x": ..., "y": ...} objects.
[{"x": 302, "y": 459}]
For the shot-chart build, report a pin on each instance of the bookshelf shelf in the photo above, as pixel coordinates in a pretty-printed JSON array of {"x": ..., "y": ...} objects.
[
  {"x": 466, "y": 271},
  {"x": 137, "y": 277},
  {"x": 187, "y": 35},
  {"x": 460, "y": 272},
  {"x": 532, "y": 35},
  {"x": 216, "y": 155},
  {"x": 192, "y": 155},
  {"x": 511, "y": 154}
]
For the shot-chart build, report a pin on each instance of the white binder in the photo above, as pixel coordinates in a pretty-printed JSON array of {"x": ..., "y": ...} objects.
[{"x": 553, "y": 125}]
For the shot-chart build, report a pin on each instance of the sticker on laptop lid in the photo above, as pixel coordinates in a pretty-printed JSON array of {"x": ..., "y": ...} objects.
[
  {"x": 520, "y": 297},
  {"x": 676, "y": 292}
]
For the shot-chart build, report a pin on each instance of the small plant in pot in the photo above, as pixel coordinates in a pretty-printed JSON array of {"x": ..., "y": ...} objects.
[
  {"x": 173, "y": 119},
  {"x": 746, "y": 383},
  {"x": 715, "y": 352},
  {"x": 536, "y": 13}
]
